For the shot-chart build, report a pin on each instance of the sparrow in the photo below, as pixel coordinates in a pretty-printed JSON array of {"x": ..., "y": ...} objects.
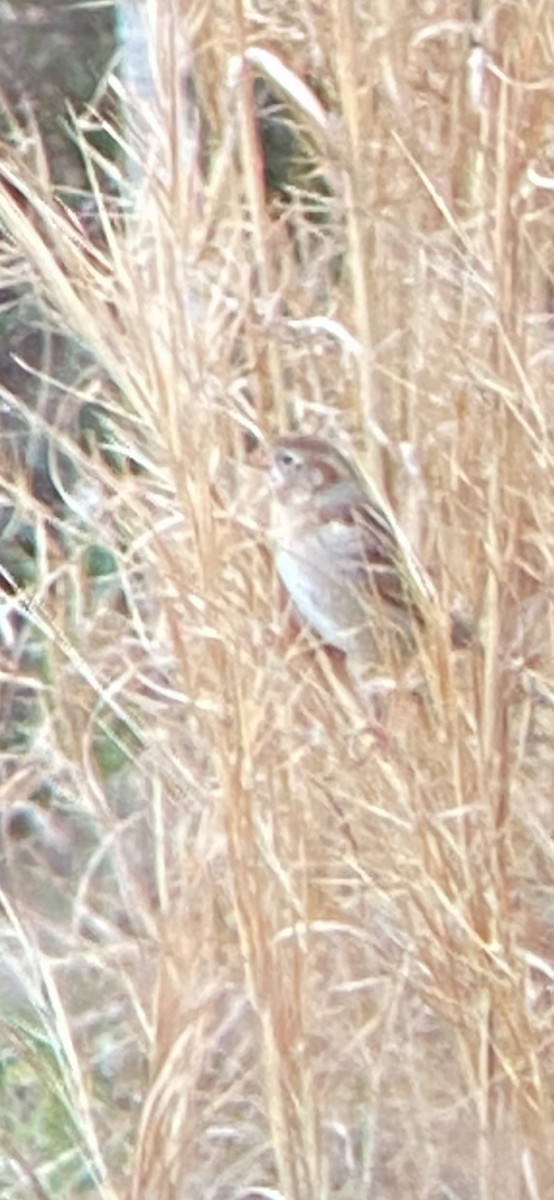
[{"x": 348, "y": 569}]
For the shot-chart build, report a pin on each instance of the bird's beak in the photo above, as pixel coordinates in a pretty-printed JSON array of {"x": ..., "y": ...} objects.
[{"x": 260, "y": 457}]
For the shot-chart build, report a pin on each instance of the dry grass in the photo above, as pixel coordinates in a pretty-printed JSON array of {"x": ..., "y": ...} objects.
[{"x": 296, "y": 955}]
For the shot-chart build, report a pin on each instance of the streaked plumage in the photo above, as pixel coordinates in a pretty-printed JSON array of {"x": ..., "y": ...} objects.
[{"x": 340, "y": 556}]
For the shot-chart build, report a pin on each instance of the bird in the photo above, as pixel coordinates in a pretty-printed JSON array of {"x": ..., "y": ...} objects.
[{"x": 344, "y": 561}]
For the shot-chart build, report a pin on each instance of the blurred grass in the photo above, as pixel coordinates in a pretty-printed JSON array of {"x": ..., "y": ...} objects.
[{"x": 266, "y": 946}]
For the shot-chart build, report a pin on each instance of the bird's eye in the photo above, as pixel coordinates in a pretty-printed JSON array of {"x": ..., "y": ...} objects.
[{"x": 287, "y": 458}]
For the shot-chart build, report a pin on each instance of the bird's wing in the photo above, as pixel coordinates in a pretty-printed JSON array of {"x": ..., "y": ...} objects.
[{"x": 364, "y": 546}]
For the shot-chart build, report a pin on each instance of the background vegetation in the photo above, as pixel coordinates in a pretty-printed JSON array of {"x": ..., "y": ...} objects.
[{"x": 255, "y": 941}]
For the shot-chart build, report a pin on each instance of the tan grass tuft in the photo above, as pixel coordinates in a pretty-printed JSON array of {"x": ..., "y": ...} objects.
[{"x": 290, "y": 947}]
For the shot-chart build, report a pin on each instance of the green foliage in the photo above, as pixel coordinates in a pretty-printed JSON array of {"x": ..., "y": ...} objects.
[{"x": 116, "y": 746}]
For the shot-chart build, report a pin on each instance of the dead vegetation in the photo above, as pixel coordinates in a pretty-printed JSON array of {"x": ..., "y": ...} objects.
[{"x": 282, "y": 951}]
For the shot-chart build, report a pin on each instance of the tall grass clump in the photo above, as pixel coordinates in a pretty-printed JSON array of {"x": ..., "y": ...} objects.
[{"x": 258, "y": 941}]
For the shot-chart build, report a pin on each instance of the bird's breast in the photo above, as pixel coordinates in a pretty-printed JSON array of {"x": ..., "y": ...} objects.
[{"x": 328, "y": 598}]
